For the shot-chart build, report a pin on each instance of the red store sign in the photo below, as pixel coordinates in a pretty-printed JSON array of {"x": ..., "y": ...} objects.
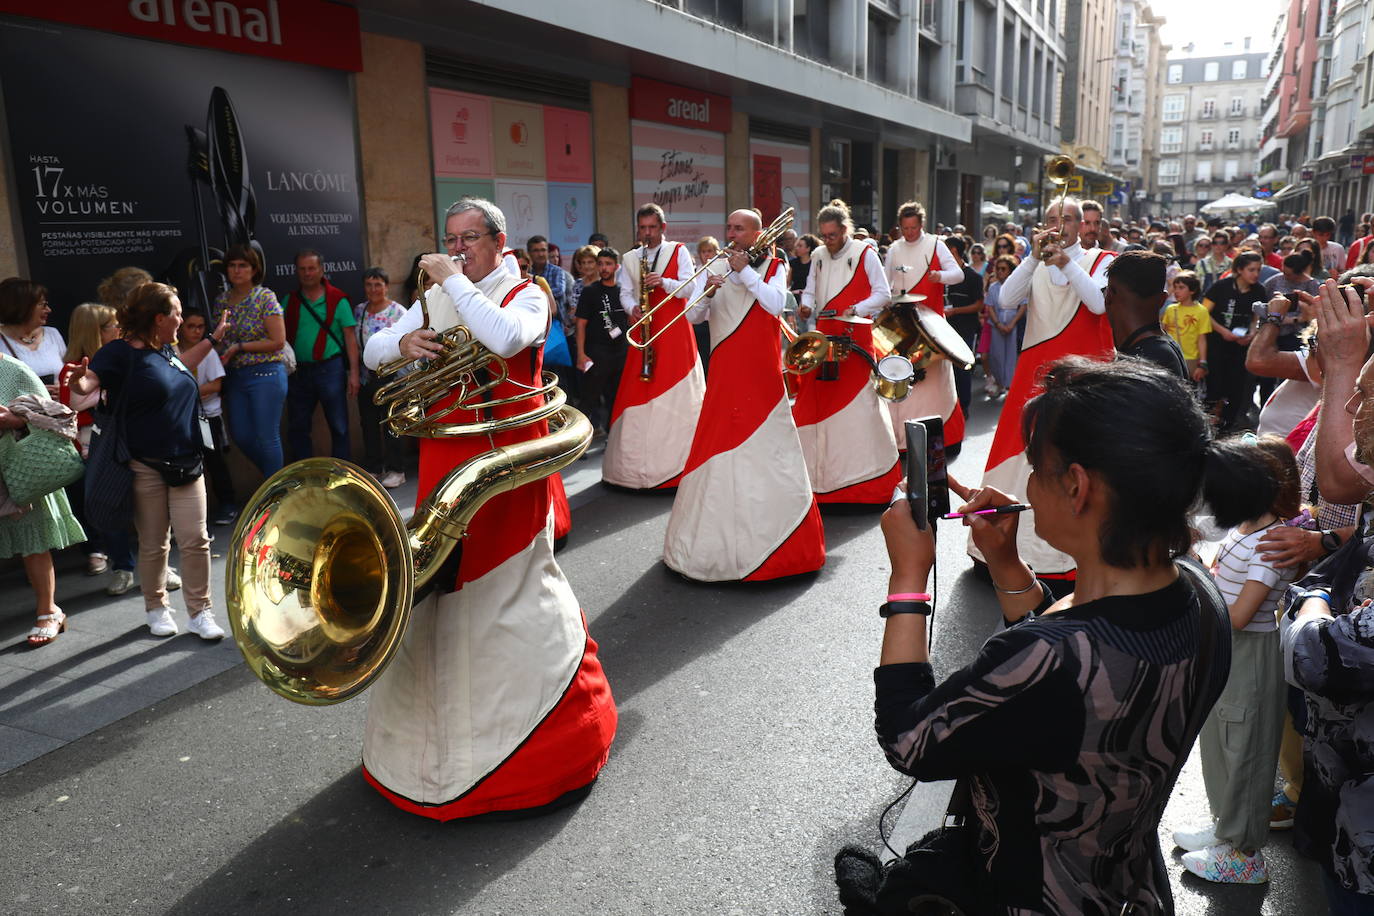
[
  {"x": 322, "y": 33},
  {"x": 651, "y": 100}
]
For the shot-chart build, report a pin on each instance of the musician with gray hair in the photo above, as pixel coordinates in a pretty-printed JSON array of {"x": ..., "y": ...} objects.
[{"x": 496, "y": 700}]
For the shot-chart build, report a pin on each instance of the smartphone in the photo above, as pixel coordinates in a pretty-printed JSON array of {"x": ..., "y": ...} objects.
[{"x": 927, "y": 475}]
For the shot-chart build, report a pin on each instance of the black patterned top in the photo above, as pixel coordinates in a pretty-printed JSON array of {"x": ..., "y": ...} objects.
[{"x": 1071, "y": 729}]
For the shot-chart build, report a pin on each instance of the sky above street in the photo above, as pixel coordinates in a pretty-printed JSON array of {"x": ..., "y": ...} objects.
[{"x": 1209, "y": 25}]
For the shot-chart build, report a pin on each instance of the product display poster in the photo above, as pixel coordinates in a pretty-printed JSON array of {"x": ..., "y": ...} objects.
[
  {"x": 526, "y": 206},
  {"x": 683, "y": 171},
  {"x": 567, "y": 144},
  {"x": 460, "y": 130},
  {"x": 517, "y": 139},
  {"x": 100, "y": 151},
  {"x": 447, "y": 190},
  {"x": 572, "y": 217}
]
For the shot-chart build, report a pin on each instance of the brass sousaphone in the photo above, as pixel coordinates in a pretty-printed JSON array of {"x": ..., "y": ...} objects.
[{"x": 322, "y": 570}]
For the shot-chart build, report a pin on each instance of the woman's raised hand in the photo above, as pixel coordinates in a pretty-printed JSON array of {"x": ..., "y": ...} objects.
[{"x": 993, "y": 535}]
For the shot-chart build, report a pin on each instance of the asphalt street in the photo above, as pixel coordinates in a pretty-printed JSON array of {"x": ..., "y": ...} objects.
[{"x": 151, "y": 776}]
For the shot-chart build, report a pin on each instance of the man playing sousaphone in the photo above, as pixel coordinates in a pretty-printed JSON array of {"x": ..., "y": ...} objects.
[
  {"x": 920, "y": 263},
  {"x": 656, "y": 406},
  {"x": 846, "y": 434},
  {"x": 1066, "y": 316},
  {"x": 495, "y": 700}
]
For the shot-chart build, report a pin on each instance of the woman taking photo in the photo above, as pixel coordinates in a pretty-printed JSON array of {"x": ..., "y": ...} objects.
[
  {"x": 1071, "y": 726},
  {"x": 254, "y": 374},
  {"x": 156, "y": 392},
  {"x": 33, "y": 532},
  {"x": 24, "y": 333}
]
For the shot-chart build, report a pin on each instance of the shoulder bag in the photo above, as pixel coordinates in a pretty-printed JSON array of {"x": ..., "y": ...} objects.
[
  {"x": 109, "y": 479},
  {"x": 37, "y": 463}
]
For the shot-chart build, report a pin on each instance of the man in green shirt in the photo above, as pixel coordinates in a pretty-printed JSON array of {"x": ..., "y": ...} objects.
[{"x": 321, "y": 330}]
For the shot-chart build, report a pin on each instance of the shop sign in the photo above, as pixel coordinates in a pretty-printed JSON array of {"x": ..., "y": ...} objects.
[
  {"x": 88, "y": 208},
  {"x": 666, "y": 103},
  {"x": 1306, "y": 174},
  {"x": 1357, "y": 161},
  {"x": 683, "y": 171},
  {"x": 782, "y": 179},
  {"x": 317, "y": 32},
  {"x": 1368, "y": 165}
]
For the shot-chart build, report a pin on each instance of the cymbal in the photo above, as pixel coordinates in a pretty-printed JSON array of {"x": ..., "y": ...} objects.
[
  {"x": 853, "y": 319},
  {"x": 909, "y": 299}
]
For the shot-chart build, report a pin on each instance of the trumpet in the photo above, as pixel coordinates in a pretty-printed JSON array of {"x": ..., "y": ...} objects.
[
  {"x": 1058, "y": 171},
  {"x": 765, "y": 240}
]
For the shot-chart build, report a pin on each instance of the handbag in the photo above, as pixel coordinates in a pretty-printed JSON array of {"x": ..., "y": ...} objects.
[
  {"x": 985, "y": 339},
  {"x": 940, "y": 874},
  {"x": 179, "y": 470},
  {"x": 109, "y": 479},
  {"x": 37, "y": 464}
]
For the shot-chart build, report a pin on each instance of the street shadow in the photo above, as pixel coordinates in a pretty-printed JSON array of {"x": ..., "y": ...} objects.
[{"x": 349, "y": 850}]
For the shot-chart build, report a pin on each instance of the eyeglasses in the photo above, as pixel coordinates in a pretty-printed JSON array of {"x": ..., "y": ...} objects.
[
  {"x": 467, "y": 238},
  {"x": 832, "y": 236}
]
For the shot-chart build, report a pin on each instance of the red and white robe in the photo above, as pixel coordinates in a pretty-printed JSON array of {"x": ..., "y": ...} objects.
[
  {"x": 496, "y": 700},
  {"x": 744, "y": 509},
  {"x": 562, "y": 512},
  {"x": 935, "y": 395},
  {"x": 652, "y": 421},
  {"x": 1059, "y": 323},
  {"x": 846, "y": 433}
]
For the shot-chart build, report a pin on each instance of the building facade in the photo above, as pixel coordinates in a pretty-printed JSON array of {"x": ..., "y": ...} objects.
[
  {"x": 1288, "y": 140},
  {"x": 1209, "y": 136},
  {"x": 1091, "y": 38},
  {"x": 1009, "y": 65},
  {"x": 1136, "y": 91},
  {"x": 1337, "y": 159}
]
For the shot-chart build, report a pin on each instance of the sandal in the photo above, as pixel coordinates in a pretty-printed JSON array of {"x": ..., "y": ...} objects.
[{"x": 46, "y": 632}]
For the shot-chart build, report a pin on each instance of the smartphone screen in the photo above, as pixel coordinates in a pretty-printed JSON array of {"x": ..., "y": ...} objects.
[
  {"x": 916, "y": 471},
  {"x": 937, "y": 473}
]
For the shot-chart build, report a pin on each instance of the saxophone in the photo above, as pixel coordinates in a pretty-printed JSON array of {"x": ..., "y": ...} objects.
[{"x": 646, "y": 355}]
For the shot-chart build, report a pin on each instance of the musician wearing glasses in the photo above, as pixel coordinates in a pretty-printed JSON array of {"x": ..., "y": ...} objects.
[
  {"x": 921, "y": 263},
  {"x": 846, "y": 434},
  {"x": 1066, "y": 316},
  {"x": 660, "y": 391},
  {"x": 744, "y": 509},
  {"x": 496, "y": 700}
]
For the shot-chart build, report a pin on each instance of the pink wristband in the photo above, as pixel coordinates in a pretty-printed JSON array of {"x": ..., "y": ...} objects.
[{"x": 909, "y": 596}]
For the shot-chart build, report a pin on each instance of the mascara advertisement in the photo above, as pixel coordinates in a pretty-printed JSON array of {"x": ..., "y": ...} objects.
[{"x": 154, "y": 155}]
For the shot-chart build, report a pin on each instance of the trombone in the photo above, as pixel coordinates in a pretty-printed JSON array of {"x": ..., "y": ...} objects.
[{"x": 765, "y": 240}]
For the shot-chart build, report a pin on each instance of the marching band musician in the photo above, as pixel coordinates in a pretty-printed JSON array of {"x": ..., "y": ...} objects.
[
  {"x": 1066, "y": 316},
  {"x": 846, "y": 434},
  {"x": 496, "y": 700},
  {"x": 920, "y": 263},
  {"x": 744, "y": 509},
  {"x": 653, "y": 418}
]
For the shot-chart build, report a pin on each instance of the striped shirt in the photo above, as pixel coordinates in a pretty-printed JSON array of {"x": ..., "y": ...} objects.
[{"x": 1238, "y": 561}]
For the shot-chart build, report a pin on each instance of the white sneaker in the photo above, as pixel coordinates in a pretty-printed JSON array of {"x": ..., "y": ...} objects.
[
  {"x": 173, "y": 579},
  {"x": 204, "y": 625},
  {"x": 161, "y": 623},
  {"x": 393, "y": 479},
  {"x": 1226, "y": 865},
  {"x": 122, "y": 581},
  {"x": 1193, "y": 840}
]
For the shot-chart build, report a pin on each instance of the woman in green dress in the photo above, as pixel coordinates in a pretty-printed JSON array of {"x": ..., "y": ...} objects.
[{"x": 33, "y": 532}]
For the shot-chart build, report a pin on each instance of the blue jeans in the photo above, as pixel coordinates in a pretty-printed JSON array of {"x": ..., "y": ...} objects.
[
  {"x": 253, "y": 398},
  {"x": 324, "y": 383}
]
